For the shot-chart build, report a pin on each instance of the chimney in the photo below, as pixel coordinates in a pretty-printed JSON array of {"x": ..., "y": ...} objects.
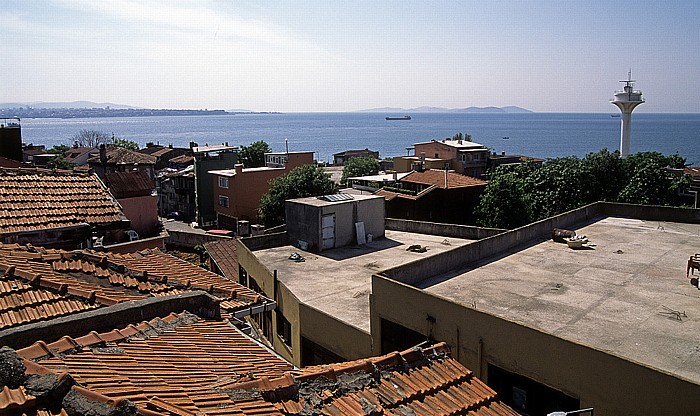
[
  {"x": 238, "y": 168},
  {"x": 503, "y": 153},
  {"x": 396, "y": 176},
  {"x": 103, "y": 155}
]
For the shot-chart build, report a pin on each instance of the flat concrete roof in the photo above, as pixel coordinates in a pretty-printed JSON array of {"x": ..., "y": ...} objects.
[
  {"x": 316, "y": 202},
  {"x": 338, "y": 281},
  {"x": 617, "y": 296}
]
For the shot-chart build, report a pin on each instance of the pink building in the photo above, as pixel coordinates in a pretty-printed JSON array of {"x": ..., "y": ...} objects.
[
  {"x": 462, "y": 156},
  {"x": 237, "y": 191}
]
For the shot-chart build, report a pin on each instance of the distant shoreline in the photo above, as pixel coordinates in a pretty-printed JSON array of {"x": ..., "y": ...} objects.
[{"x": 68, "y": 113}]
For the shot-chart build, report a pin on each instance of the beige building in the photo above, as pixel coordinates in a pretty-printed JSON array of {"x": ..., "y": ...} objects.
[
  {"x": 614, "y": 326},
  {"x": 462, "y": 156}
]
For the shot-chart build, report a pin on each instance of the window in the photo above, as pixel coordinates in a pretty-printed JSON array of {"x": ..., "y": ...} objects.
[
  {"x": 223, "y": 182},
  {"x": 284, "y": 329},
  {"x": 223, "y": 201}
]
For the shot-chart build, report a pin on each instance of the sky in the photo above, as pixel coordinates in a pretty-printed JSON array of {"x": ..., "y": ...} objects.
[{"x": 554, "y": 56}]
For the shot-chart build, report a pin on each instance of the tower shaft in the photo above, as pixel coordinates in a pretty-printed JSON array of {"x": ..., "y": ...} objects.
[{"x": 626, "y": 100}]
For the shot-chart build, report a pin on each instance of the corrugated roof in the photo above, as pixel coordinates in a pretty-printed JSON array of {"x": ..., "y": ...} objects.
[
  {"x": 184, "y": 365},
  {"x": 437, "y": 177},
  {"x": 182, "y": 159},
  {"x": 38, "y": 199},
  {"x": 129, "y": 184},
  {"x": 223, "y": 252}
]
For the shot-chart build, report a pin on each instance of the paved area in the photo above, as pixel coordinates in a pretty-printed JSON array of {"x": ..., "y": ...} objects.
[
  {"x": 338, "y": 281},
  {"x": 627, "y": 295}
]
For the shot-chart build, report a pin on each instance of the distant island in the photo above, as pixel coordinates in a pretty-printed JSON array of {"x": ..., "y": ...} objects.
[
  {"x": 507, "y": 109},
  {"x": 87, "y": 109}
]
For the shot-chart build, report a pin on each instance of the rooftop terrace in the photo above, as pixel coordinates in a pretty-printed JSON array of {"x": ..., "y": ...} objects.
[
  {"x": 627, "y": 294},
  {"x": 344, "y": 293}
]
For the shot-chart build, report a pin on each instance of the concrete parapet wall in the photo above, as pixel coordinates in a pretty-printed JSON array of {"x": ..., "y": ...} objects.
[
  {"x": 138, "y": 245},
  {"x": 260, "y": 242},
  {"x": 650, "y": 212},
  {"x": 416, "y": 271},
  {"x": 609, "y": 383},
  {"x": 448, "y": 230},
  {"x": 190, "y": 240},
  {"x": 112, "y": 317}
]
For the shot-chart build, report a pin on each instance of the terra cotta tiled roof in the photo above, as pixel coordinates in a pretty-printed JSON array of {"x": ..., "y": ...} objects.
[
  {"x": 223, "y": 252},
  {"x": 437, "y": 177},
  {"x": 129, "y": 184},
  {"x": 38, "y": 284},
  {"x": 37, "y": 199},
  {"x": 123, "y": 156},
  {"x": 184, "y": 365}
]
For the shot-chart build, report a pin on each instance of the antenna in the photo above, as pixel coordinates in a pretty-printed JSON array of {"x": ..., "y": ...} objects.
[{"x": 629, "y": 81}]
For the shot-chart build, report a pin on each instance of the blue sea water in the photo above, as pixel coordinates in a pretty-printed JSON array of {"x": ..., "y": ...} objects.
[{"x": 542, "y": 135}]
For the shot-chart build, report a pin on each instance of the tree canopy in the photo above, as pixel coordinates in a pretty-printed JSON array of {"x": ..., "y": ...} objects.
[
  {"x": 359, "y": 166},
  {"x": 460, "y": 136},
  {"x": 127, "y": 144},
  {"x": 520, "y": 194},
  {"x": 253, "y": 156},
  {"x": 300, "y": 182},
  {"x": 90, "y": 138}
]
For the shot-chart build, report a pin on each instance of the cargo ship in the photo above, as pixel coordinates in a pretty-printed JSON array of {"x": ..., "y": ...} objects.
[{"x": 399, "y": 118}]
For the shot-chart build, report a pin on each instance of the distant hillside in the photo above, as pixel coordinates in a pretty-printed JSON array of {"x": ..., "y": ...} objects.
[
  {"x": 72, "y": 104},
  {"x": 424, "y": 109}
]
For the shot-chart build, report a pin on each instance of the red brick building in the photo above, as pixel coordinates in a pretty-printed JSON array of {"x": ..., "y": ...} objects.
[{"x": 237, "y": 191}]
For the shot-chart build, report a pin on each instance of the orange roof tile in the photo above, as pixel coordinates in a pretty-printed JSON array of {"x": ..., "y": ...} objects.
[
  {"x": 223, "y": 253},
  {"x": 437, "y": 177},
  {"x": 122, "y": 156},
  {"x": 37, "y": 199},
  {"x": 37, "y": 284},
  {"x": 184, "y": 365}
]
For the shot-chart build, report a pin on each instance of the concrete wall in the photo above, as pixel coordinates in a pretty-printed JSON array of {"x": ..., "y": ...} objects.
[
  {"x": 142, "y": 211},
  {"x": 448, "y": 230},
  {"x": 303, "y": 223},
  {"x": 305, "y": 321},
  {"x": 416, "y": 271},
  {"x": 260, "y": 242},
  {"x": 113, "y": 317},
  {"x": 650, "y": 212},
  {"x": 332, "y": 334},
  {"x": 138, "y": 245},
  {"x": 610, "y": 384},
  {"x": 190, "y": 240}
]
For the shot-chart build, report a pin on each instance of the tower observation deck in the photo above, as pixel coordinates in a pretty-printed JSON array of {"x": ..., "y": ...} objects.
[{"x": 626, "y": 100}]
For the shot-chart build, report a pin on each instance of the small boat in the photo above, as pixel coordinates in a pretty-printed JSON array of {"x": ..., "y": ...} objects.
[
  {"x": 614, "y": 115},
  {"x": 506, "y": 138},
  {"x": 399, "y": 118}
]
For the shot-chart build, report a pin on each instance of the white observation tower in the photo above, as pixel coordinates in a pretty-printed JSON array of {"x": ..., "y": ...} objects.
[{"x": 626, "y": 100}]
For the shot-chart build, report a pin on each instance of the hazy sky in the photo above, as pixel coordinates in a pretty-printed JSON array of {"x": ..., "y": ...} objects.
[{"x": 350, "y": 55}]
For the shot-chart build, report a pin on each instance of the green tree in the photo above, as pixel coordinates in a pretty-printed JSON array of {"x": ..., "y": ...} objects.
[
  {"x": 460, "y": 136},
  {"x": 649, "y": 182},
  {"x": 359, "y": 166},
  {"x": 127, "y": 144},
  {"x": 506, "y": 203},
  {"x": 517, "y": 195},
  {"x": 90, "y": 138},
  {"x": 58, "y": 161},
  {"x": 253, "y": 156},
  {"x": 300, "y": 182}
]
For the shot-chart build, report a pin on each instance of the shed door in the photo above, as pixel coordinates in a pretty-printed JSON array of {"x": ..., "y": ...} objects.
[{"x": 328, "y": 231}]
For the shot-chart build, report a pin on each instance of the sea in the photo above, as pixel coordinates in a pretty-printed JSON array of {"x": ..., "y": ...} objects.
[{"x": 541, "y": 135}]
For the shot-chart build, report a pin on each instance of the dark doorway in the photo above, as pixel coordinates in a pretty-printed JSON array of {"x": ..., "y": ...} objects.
[{"x": 527, "y": 396}]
